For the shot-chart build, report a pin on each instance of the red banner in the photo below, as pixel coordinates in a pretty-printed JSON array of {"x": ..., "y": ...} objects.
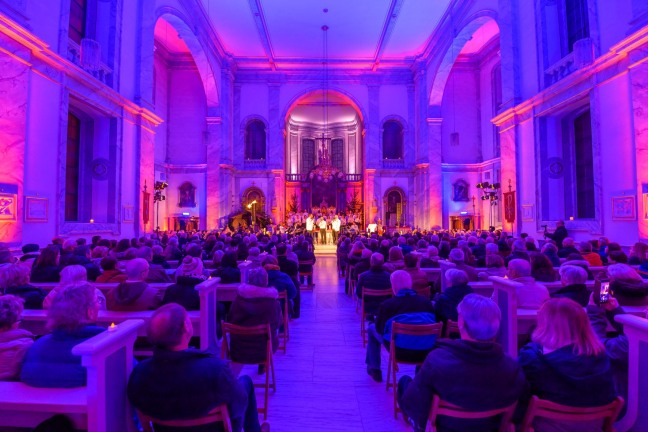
[
  {"x": 146, "y": 199},
  {"x": 509, "y": 207}
]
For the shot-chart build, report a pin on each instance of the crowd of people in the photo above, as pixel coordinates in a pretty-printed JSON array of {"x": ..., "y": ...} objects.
[{"x": 569, "y": 358}]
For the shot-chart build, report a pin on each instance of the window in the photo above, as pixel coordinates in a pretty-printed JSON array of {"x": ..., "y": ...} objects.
[
  {"x": 584, "y": 166},
  {"x": 255, "y": 140},
  {"x": 76, "y": 29},
  {"x": 392, "y": 140},
  {"x": 577, "y": 21},
  {"x": 496, "y": 80},
  {"x": 308, "y": 155},
  {"x": 337, "y": 153},
  {"x": 72, "y": 168}
]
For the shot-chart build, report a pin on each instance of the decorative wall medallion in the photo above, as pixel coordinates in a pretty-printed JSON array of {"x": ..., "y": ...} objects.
[
  {"x": 555, "y": 168},
  {"x": 100, "y": 169},
  {"x": 460, "y": 190}
]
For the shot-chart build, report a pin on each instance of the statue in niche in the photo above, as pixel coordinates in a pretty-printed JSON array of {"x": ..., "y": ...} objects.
[
  {"x": 460, "y": 191},
  {"x": 187, "y": 195}
]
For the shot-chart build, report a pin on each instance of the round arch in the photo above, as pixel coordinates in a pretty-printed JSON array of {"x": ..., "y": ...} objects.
[
  {"x": 292, "y": 103},
  {"x": 452, "y": 49},
  {"x": 394, "y": 206},
  {"x": 179, "y": 21}
]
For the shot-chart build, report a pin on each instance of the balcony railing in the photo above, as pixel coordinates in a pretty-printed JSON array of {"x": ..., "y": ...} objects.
[
  {"x": 102, "y": 72},
  {"x": 393, "y": 163},
  {"x": 254, "y": 164},
  {"x": 582, "y": 55},
  {"x": 304, "y": 177}
]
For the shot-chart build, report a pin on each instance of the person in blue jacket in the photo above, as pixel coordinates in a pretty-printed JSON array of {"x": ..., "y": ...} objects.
[{"x": 49, "y": 362}]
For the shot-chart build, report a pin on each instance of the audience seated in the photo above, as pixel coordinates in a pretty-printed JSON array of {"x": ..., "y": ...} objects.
[
  {"x": 420, "y": 282},
  {"x": 473, "y": 372},
  {"x": 396, "y": 259},
  {"x": 47, "y": 268},
  {"x": 532, "y": 294},
  {"x": 541, "y": 268},
  {"x": 134, "y": 294},
  {"x": 375, "y": 278},
  {"x": 228, "y": 272},
  {"x": 49, "y": 362},
  {"x": 566, "y": 363},
  {"x": 407, "y": 307},
  {"x": 573, "y": 279},
  {"x": 519, "y": 252},
  {"x": 638, "y": 253},
  {"x": 72, "y": 275},
  {"x": 551, "y": 251},
  {"x": 588, "y": 255},
  {"x": 278, "y": 279},
  {"x": 494, "y": 267},
  {"x": 431, "y": 260},
  {"x": 180, "y": 383},
  {"x": 14, "y": 342},
  {"x": 30, "y": 252},
  {"x": 183, "y": 292},
  {"x": 156, "y": 273},
  {"x": 14, "y": 279},
  {"x": 159, "y": 258},
  {"x": 568, "y": 248},
  {"x": 110, "y": 272},
  {"x": 445, "y": 306},
  {"x": 457, "y": 257},
  {"x": 172, "y": 252},
  {"x": 628, "y": 287},
  {"x": 255, "y": 304}
]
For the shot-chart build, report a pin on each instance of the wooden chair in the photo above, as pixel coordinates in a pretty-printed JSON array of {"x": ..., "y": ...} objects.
[
  {"x": 285, "y": 334},
  {"x": 451, "y": 328},
  {"x": 392, "y": 365},
  {"x": 306, "y": 274},
  {"x": 443, "y": 408},
  {"x": 254, "y": 331},
  {"x": 551, "y": 410},
  {"x": 220, "y": 414},
  {"x": 368, "y": 292}
]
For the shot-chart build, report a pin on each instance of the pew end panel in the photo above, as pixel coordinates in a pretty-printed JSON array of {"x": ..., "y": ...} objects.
[
  {"x": 444, "y": 265},
  {"x": 505, "y": 295},
  {"x": 208, "y": 306},
  {"x": 636, "y": 418}
]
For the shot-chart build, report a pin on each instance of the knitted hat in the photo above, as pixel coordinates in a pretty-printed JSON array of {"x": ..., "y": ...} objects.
[{"x": 191, "y": 266}]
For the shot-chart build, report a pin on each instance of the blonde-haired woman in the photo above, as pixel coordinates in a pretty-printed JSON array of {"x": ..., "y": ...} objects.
[
  {"x": 73, "y": 275},
  {"x": 566, "y": 363}
]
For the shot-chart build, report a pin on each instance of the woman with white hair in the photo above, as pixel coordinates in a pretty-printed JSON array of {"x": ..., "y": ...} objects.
[
  {"x": 573, "y": 279},
  {"x": 628, "y": 287},
  {"x": 49, "y": 362},
  {"x": 14, "y": 342},
  {"x": 14, "y": 279},
  {"x": 73, "y": 275}
]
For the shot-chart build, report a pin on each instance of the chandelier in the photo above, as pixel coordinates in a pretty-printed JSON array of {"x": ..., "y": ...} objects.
[{"x": 325, "y": 171}]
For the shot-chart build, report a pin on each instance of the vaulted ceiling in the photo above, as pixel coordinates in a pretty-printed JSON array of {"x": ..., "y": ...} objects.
[{"x": 288, "y": 33}]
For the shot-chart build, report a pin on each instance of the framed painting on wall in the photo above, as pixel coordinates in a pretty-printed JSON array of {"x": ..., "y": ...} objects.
[
  {"x": 623, "y": 208},
  {"x": 8, "y": 207},
  {"x": 36, "y": 209},
  {"x": 645, "y": 205},
  {"x": 128, "y": 213},
  {"x": 527, "y": 213}
]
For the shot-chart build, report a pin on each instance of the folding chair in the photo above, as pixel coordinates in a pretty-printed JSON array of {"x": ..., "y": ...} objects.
[
  {"x": 263, "y": 331},
  {"x": 368, "y": 292},
  {"x": 451, "y": 328},
  {"x": 551, "y": 410},
  {"x": 306, "y": 274},
  {"x": 220, "y": 414},
  {"x": 443, "y": 408},
  {"x": 400, "y": 329},
  {"x": 285, "y": 334}
]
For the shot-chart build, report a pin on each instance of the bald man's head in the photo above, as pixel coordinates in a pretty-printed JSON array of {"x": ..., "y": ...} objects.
[{"x": 167, "y": 328}]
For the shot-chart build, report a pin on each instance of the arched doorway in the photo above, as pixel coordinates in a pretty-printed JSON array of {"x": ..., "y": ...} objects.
[
  {"x": 394, "y": 203},
  {"x": 324, "y": 153}
]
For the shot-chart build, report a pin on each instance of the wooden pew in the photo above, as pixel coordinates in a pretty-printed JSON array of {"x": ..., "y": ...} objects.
[
  {"x": 103, "y": 287},
  {"x": 204, "y": 321},
  {"x": 101, "y": 406},
  {"x": 636, "y": 418},
  {"x": 227, "y": 292},
  {"x": 433, "y": 273}
]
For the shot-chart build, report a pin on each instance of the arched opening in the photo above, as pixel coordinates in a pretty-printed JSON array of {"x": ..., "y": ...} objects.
[
  {"x": 394, "y": 202},
  {"x": 255, "y": 140},
  {"x": 324, "y": 153},
  {"x": 392, "y": 140},
  {"x": 183, "y": 86}
]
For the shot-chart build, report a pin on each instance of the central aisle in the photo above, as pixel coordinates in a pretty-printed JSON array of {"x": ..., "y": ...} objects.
[{"x": 322, "y": 383}]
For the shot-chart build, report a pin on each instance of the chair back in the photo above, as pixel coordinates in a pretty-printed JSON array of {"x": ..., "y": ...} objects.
[
  {"x": 242, "y": 333},
  {"x": 452, "y": 328},
  {"x": 220, "y": 414},
  {"x": 554, "y": 411},
  {"x": 414, "y": 336},
  {"x": 376, "y": 293},
  {"x": 443, "y": 408}
]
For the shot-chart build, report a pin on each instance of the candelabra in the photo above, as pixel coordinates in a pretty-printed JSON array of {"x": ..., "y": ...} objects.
[
  {"x": 157, "y": 197},
  {"x": 491, "y": 194}
]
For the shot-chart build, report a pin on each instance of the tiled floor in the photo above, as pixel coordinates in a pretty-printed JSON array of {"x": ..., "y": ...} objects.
[{"x": 322, "y": 383}]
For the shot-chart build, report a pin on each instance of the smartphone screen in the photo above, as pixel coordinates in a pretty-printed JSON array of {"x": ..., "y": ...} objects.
[{"x": 604, "y": 295}]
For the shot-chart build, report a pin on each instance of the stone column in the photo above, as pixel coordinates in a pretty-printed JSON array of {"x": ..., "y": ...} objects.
[
  {"x": 275, "y": 140},
  {"x": 435, "y": 176},
  {"x": 14, "y": 83},
  {"x": 508, "y": 161},
  {"x": 213, "y": 195},
  {"x": 368, "y": 198},
  {"x": 146, "y": 144},
  {"x": 422, "y": 182},
  {"x": 278, "y": 200},
  {"x": 372, "y": 153}
]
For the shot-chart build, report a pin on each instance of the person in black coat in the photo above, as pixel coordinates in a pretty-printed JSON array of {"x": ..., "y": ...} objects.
[
  {"x": 182, "y": 383},
  {"x": 567, "y": 367},
  {"x": 559, "y": 234},
  {"x": 406, "y": 301},
  {"x": 374, "y": 278},
  {"x": 14, "y": 279},
  {"x": 573, "y": 279},
  {"x": 228, "y": 271},
  {"x": 472, "y": 372},
  {"x": 445, "y": 306},
  {"x": 46, "y": 267}
]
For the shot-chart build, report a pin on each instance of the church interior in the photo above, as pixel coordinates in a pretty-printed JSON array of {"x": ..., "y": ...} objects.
[{"x": 337, "y": 131}]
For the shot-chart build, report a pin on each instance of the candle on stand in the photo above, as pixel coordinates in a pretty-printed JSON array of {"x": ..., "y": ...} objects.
[{"x": 112, "y": 327}]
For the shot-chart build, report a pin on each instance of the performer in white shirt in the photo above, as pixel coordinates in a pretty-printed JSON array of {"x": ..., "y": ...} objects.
[
  {"x": 322, "y": 230},
  {"x": 335, "y": 225}
]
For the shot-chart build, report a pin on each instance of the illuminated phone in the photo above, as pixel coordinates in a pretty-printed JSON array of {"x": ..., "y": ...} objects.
[{"x": 604, "y": 294}]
